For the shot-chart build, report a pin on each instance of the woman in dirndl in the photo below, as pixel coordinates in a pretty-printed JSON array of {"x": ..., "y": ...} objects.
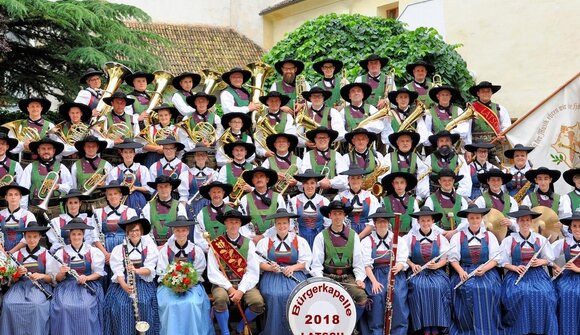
[
  {"x": 307, "y": 205},
  {"x": 26, "y": 309},
  {"x": 430, "y": 289},
  {"x": 292, "y": 256},
  {"x": 120, "y": 301},
  {"x": 188, "y": 311},
  {"x": 75, "y": 309},
  {"x": 14, "y": 218},
  {"x": 568, "y": 282},
  {"x": 476, "y": 303},
  {"x": 529, "y": 306},
  {"x": 377, "y": 255},
  {"x": 192, "y": 179}
]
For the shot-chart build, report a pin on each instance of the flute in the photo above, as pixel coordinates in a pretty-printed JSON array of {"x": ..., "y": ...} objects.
[
  {"x": 73, "y": 273},
  {"x": 391, "y": 277},
  {"x": 271, "y": 262},
  {"x": 472, "y": 273},
  {"x": 433, "y": 260},
  {"x": 532, "y": 259},
  {"x": 28, "y": 275},
  {"x": 564, "y": 269}
]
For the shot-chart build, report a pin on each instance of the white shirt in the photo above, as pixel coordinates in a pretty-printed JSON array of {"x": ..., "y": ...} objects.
[
  {"x": 183, "y": 187},
  {"x": 289, "y": 128},
  {"x": 493, "y": 245},
  {"x": 52, "y": 234},
  {"x": 336, "y": 123},
  {"x": 338, "y": 182},
  {"x": 367, "y": 246},
  {"x": 64, "y": 186},
  {"x": 463, "y": 221},
  {"x": 172, "y": 166},
  {"x": 163, "y": 261},
  {"x": 181, "y": 105},
  {"x": 421, "y": 129},
  {"x": 222, "y": 159},
  {"x": 136, "y": 168},
  {"x": 363, "y": 195},
  {"x": 415, "y": 231},
  {"x": 229, "y": 105},
  {"x": 564, "y": 207},
  {"x": 462, "y": 128},
  {"x": 292, "y": 204},
  {"x": 304, "y": 252},
  {"x": 245, "y": 208},
  {"x": 506, "y": 247},
  {"x": 118, "y": 266},
  {"x": 97, "y": 257}
]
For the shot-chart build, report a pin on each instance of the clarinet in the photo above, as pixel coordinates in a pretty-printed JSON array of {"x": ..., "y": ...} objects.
[
  {"x": 73, "y": 273},
  {"x": 433, "y": 260},
  {"x": 391, "y": 278},
  {"x": 536, "y": 255},
  {"x": 28, "y": 275},
  {"x": 140, "y": 326},
  {"x": 58, "y": 236},
  {"x": 98, "y": 226},
  {"x": 272, "y": 262}
]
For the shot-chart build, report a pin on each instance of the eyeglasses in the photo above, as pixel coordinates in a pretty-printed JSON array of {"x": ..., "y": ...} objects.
[{"x": 328, "y": 67}]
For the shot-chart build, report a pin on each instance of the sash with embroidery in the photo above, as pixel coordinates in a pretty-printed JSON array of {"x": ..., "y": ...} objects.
[
  {"x": 230, "y": 255},
  {"x": 488, "y": 115}
]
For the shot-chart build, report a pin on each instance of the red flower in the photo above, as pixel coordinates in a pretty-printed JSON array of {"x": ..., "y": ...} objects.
[
  {"x": 174, "y": 274},
  {"x": 186, "y": 270},
  {"x": 178, "y": 266},
  {"x": 16, "y": 275},
  {"x": 2, "y": 269},
  {"x": 187, "y": 281}
]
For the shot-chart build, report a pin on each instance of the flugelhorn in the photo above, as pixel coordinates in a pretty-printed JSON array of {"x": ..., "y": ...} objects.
[
  {"x": 283, "y": 183},
  {"x": 47, "y": 188},
  {"x": 116, "y": 72},
  {"x": 96, "y": 179},
  {"x": 162, "y": 79}
]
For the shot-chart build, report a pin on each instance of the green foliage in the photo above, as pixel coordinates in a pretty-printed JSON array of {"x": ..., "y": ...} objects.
[
  {"x": 51, "y": 43},
  {"x": 7, "y": 116},
  {"x": 351, "y": 38}
]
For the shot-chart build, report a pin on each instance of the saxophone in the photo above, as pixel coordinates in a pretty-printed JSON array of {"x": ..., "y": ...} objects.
[
  {"x": 140, "y": 326},
  {"x": 370, "y": 181}
]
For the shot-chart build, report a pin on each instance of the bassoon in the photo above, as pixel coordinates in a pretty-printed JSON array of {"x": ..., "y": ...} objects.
[{"x": 391, "y": 276}]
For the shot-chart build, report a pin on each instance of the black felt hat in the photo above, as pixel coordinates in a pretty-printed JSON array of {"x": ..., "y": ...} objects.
[
  {"x": 365, "y": 62},
  {"x": 4, "y": 189},
  {"x": 366, "y": 88},
  {"x": 245, "y": 73},
  {"x": 226, "y": 118},
  {"x": 128, "y": 143},
  {"x": 387, "y": 181},
  {"x": 233, "y": 214},
  {"x": 569, "y": 176},
  {"x": 299, "y": 65},
  {"x": 58, "y": 147},
  {"x": 412, "y": 95},
  {"x": 443, "y": 133},
  {"x": 484, "y": 84},
  {"x": 360, "y": 131},
  {"x": 293, "y": 139},
  {"x": 308, "y": 174},
  {"x": 480, "y": 145},
  {"x": 282, "y": 213},
  {"x": 115, "y": 184},
  {"x": 163, "y": 179},
  {"x": 472, "y": 208},
  {"x": 89, "y": 73},
  {"x": 78, "y": 224},
  {"x": 524, "y": 210},
  {"x": 275, "y": 94},
  {"x": 200, "y": 147},
  {"x": 455, "y": 95},
  {"x": 333, "y": 205},
  {"x": 415, "y": 137},
  {"x": 118, "y": 95},
  {"x": 568, "y": 221},
  {"x": 171, "y": 140},
  {"x": 410, "y": 67},
  {"x": 483, "y": 177},
  {"x": 174, "y": 111},
  {"x": 33, "y": 226},
  {"x": 311, "y": 134},
  {"x": 307, "y": 94},
  {"x": 73, "y": 193},
  {"x": 229, "y": 148},
  {"x": 85, "y": 110},
  {"x": 509, "y": 153},
  {"x": 139, "y": 74},
  {"x": 354, "y": 170},
  {"x": 271, "y": 174},
  {"x": 381, "y": 213},
  {"x": 204, "y": 190},
  {"x": 23, "y": 104},
  {"x": 445, "y": 172},
  {"x": 337, "y": 65},
  {"x": 211, "y": 99},
  {"x": 180, "y": 221},
  {"x": 145, "y": 224},
  {"x": 426, "y": 211},
  {"x": 532, "y": 174},
  {"x": 195, "y": 78},
  {"x": 79, "y": 145},
  {"x": 12, "y": 142}
]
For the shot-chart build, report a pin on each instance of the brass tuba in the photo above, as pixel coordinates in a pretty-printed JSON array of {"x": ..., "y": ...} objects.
[
  {"x": 370, "y": 181},
  {"x": 21, "y": 131},
  {"x": 467, "y": 114},
  {"x": 162, "y": 79},
  {"x": 116, "y": 72},
  {"x": 212, "y": 81},
  {"x": 260, "y": 71},
  {"x": 414, "y": 116}
]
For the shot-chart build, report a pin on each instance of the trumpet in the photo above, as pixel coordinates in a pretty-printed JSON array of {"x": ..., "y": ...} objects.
[
  {"x": 116, "y": 73},
  {"x": 75, "y": 133},
  {"x": 414, "y": 116},
  {"x": 370, "y": 181},
  {"x": 6, "y": 180},
  {"x": 283, "y": 183},
  {"x": 238, "y": 190},
  {"x": 21, "y": 131},
  {"x": 96, "y": 179},
  {"x": 162, "y": 79},
  {"x": 140, "y": 325},
  {"x": 47, "y": 188},
  {"x": 128, "y": 180}
]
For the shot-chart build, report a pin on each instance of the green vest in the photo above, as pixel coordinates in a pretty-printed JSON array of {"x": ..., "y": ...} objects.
[
  {"x": 37, "y": 179},
  {"x": 426, "y": 99},
  {"x": 335, "y": 98},
  {"x": 274, "y": 164},
  {"x": 352, "y": 122},
  {"x": 535, "y": 202},
  {"x": 214, "y": 228},
  {"x": 156, "y": 218},
  {"x": 480, "y": 126},
  {"x": 231, "y": 179},
  {"x": 210, "y": 120},
  {"x": 405, "y": 218},
  {"x": 371, "y": 158},
  {"x": 574, "y": 201},
  {"x": 239, "y": 102},
  {"x": 338, "y": 256},
  {"x": 435, "y": 166},
  {"x": 439, "y": 209},
  {"x": 82, "y": 177},
  {"x": 292, "y": 95},
  {"x": 506, "y": 200},
  {"x": 127, "y": 122},
  {"x": 376, "y": 93},
  {"x": 258, "y": 215},
  {"x": 318, "y": 168},
  {"x": 395, "y": 163},
  {"x": 438, "y": 124}
]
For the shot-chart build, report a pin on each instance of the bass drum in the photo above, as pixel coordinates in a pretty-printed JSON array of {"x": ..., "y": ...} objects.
[{"x": 320, "y": 305}]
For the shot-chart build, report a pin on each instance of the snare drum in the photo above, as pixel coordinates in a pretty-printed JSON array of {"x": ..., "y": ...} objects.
[{"x": 320, "y": 305}]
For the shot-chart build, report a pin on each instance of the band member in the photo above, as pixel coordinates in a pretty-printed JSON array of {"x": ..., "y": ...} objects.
[
  {"x": 519, "y": 154},
  {"x": 480, "y": 164},
  {"x": 292, "y": 256},
  {"x": 377, "y": 80},
  {"x": 163, "y": 208},
  {"x": 135, "y": 259},
  {"x": 151, "y": 136},
  {"x": 429, "y": 289},
  {"x": 9, "y": 166},
  {"x": 139, "y": 81},
  {"x": 359, "y": 109},
  {"x": 397, "y": 199},
  {"x": 376, "y": 249},
  {"x": 495, "y": 197},
  {"x": 90, "y": 95},
  {"x": 284, "y": 161},
  {"x": 187, "y": 311},
  {"x": 119, "y": 124},
  {"x": 322, "y": 113},
  {"x": 89, "y": 162},
  {"x": 363, "y": 202},
  {"x": 572, "y": 178},
  {"x": 491, "y": 118},
  {"x": 239, "y": 152},
  {"x": 568, "y": 283},
  {"x": 420, "y": 71},
  {"x": 337, "y": 254},
  {"x": 14, "y": 217},
  {"x": 443, "y": 110},
  {"x": 76, "y": 115},
  {"x": 34, "y": 175},
  {"x": 307, "y": 205},
  {"x": 235, "y": 98},
  {"x": 324, "y": 160},
  {"x": 529, "y": 306},
  {"x": 476, "y": 303},
  {"x": 231, "y": 283},
  {"x": 170, "y": 164},
  {"x": 405, "y": 159},
  {"x": 362, "y": 153},
  {"x": 133, "y": 175},
  {"x": 74, "y": 309},
  {"x": 184, "y": 84},
  {"x": 207, "y": 220},
  {"x": 25, "y": 298},
  {"x": 108, "y": 218},
  {"x": 202, "y": 104},
  {"x": 200, "y": 174},
  {"x": 238, "y": 125},
  {"x": 446, "y": 157},
  {"x": 278, "y": 121},
  {"x": 545, "y": 195},
  {"x": 71, "y": 203},
  {"x": 261, "y": 202},
  {"x": 289, "y": 69},
  {"x": 330, "y": 69},
  {"x": 446, "y": 201},
  {"x": 35, "y": 108},
  {"x": 404, "y": 102}
]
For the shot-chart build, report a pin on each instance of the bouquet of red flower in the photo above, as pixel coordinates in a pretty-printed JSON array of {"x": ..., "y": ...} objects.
[
  {"x": 8, "y": 272},
  {"x": 180, "y": 276}
]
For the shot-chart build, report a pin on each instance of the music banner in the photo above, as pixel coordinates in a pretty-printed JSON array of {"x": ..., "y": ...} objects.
[{"x": 553, "y": 128}]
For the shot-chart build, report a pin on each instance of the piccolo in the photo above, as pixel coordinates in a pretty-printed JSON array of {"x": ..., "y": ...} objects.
[
  {"x": 73, "y": 273},
  {"x": 271, "y": 262},
  {"x": 29, "y": 276},
  {"x": 433, "y": 260},
  {"x": 564, "y": 269},
  {"x": 472, "y": 273},
  {"x": 532, "y": 259}
]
